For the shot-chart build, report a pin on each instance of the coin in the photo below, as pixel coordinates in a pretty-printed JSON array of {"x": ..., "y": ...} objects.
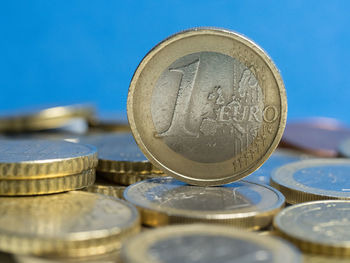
[
  {"x": 317, "y": 227},
  {"x": 207, "y": 106},
  {"x": 165, "y": 200},
  {"x": 277, "y": 159},
  {"x": 118, "y": 153},
  {"x": 316, "y": 179},
  {"x": 110, "y": 121},
  {"x": 47, "y": 185},
  {"x": 206, "y": 244},
  {"x": 34, "y": 159},
  {"x": 312, "y": 258},
  {"x": 42, "y": 118},
  {"x": 344, "y": 148},
  {"x": 65, "y": 225},
  {"x": 106, "y": 188},
  {"x": 128, "y": 178},
  {"x": 318, "y": 136}
]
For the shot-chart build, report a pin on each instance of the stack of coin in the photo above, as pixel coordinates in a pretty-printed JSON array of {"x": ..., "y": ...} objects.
[
  {"x": 35, "y": 167},
  {"x": 110, "y": 122},
  {"x": 119, "y": 158}
]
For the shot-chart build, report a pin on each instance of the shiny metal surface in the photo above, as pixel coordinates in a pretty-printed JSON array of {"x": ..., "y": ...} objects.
[
  {"x": 314, "y": 179},
  {"x": 165, "y": 200},
  {"x": 210, "y": 100},
  {"x": 206, "y": 244}
]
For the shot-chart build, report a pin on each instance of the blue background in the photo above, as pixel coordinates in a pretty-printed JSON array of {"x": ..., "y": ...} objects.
[{"x": 86, "y": 51}]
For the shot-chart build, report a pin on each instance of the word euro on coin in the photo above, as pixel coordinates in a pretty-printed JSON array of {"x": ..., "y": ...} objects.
[
  {"x": 207, "y": 106},
  {"x": 314, "y": 179},
  {"x": 206, "y": 244},
  {"x": 165, "y": 200},
  {"x": 65, "y": 225},
  {"x": 317, "y": 227},
  {"x": 35, "y": 159}
]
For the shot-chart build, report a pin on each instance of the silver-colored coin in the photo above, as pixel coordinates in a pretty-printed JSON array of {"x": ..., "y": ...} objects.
[
  {"x": 206, "y": 244},
  {"x": 314, "y": 179},
  {"x": 344, "y": 148},
  {"x": 318, "y": 227},
  {"x": 277, "y": 159},
  {"x": 164, "y": 200}
]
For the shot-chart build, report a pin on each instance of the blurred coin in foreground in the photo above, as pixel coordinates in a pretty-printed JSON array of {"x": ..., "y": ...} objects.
[
  {"x": 317, "y": 227},
  {"x": 314, "y": 179},
  {"x": 65, "y": 225},
  {"x": 206, "y": 244},
  {"x": 43, "y": 118},
  {"x": 40, "y": 159},
  {"x": 207, "y": 106},
  {"x": 318, "y": 136},
  {"x": 165, "y": 200},
  {"x": 279, "y": 157},
  {"x": 118, "y": 153}
]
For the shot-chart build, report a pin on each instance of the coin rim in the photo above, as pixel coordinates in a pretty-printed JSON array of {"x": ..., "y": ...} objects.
[{"x": 224, "y": 33}]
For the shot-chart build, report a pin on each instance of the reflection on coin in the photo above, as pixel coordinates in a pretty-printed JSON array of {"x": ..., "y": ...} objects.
[
  {"x": 106, "y": 188},
  {"x": 344, "y": 148},
  {"x": 118, "y": 153},
  {"x": 69, "y": 224},
  {"x": 277, "y": 159},
  {"x": 210, "y": 100},
  {"x": 43, "y": 118},
  {"x": 165, "y": 200},
  {"x": 317, "y": 227},
  {"x": 206, "y": 244},
  {"x": 316, "y": 179},
  {"x": 128, "y": 178},
  {"x": 30, "y": 159},
  {"x": 318, "y": 136},
  {"x": 47, "y": 185}
]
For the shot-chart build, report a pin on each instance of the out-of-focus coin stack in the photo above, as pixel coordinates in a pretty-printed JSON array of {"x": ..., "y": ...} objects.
[{"x": 207, "y": 107}]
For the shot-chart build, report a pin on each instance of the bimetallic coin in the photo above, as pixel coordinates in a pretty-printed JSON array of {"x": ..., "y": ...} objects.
[
  {"x": 164, "y": 201},
  {"x": 344, "y": 148},
  {"x": 277, "y": 159},
  {"x": 316, "y": 179},
  {"x": 318, "y": 136},
  {"x": 118, "y": 153},
  {"x": 206, "y": 244},
  {"x": 128, "y": 178},
  {"x": 65, "y": 225},
  {"x": 207, "y": 106},
  {"x": 47, "y": 185},
  {"x": 40, "y": 159},
  {"x": 43, "y": 118},
  {"x": 317, "y": 227},
  {"x": 106, "y": 188}
]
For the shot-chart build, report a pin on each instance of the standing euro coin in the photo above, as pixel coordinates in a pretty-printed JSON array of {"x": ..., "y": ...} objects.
[{"x": 207, "y": 106}]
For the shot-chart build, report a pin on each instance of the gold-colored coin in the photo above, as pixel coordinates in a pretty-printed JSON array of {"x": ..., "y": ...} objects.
[
  {"x": 118, "y": 153},
  {"x": 314, "y": 179},
  {"x": 206, "y": 244},
  {"x": 65, "y": 225},
  {"x": 47, "y": 185},
  {"x": 41, "y": 159},
  {"x": 244, "y": 204},
  {"x": 128, "y": 178},
  {"x": 312, "y": 258},
  {"x": 207, "y": 106},
  {"x": 106, "y": 188},
  {"x": 317, "y": 227},
  {"x": 43, "y": 118}
]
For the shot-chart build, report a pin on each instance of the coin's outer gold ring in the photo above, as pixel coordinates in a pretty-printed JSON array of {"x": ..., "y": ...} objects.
[
  {"x": 44, "y": 169},
  {"x": 128, "y": 178},
  {"x": 300, "y": 193},
  {"x": 156, "y": 217},
  {"x": 126, "y": 167},
  {"x": 47, "y": 185},
  {"x": 110, "y": 190},
  {"x": 49, "y": 118},
  {"x": 142, "y": 242},
  {"x": 89, "y": 244},
  {"x": 188, "y": 34},
  {"x": 312, "y": 247}
]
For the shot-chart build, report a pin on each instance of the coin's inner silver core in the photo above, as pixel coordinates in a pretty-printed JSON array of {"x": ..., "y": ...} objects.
[
  {"x": 207, "y": 106},
  {"x": 207, "y": 249}
]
